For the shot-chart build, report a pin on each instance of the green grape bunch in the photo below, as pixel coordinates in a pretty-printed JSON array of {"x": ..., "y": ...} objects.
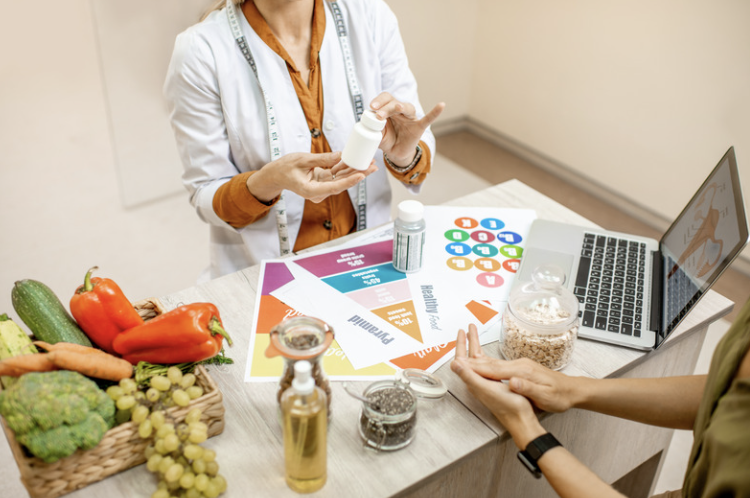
[{"x": 185, "y": 469}]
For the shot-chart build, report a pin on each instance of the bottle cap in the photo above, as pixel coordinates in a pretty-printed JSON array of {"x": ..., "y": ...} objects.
[
  {"x": 303, "y": 382},
  {"x": 371, "y": 121},
  {"x": 410, "y": 210},
  {"x": 424, "y": 385}
]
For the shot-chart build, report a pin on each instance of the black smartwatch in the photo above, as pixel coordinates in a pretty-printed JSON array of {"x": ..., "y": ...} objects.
[{"x": 534, "y": 451}]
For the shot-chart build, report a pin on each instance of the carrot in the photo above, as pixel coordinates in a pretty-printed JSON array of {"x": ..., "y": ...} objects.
[
  {"x": 68, "y": 346},
  {"x": 16, "y": 366},
  {"x": 100, "y": 366}
]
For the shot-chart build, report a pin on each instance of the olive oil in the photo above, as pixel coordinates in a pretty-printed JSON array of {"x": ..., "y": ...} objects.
[{"x": 305, "y": 429}]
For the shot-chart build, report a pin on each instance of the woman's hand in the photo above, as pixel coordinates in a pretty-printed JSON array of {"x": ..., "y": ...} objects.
[
  {"x": 311, "y": 176},
  {"x": 547, "y": 389},
  {"x": 402, "y": 130},
  {"x": 512, "y": 410}
]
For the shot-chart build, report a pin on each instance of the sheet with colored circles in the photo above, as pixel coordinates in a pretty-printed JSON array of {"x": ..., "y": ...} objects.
[{"x": 384, "y": 319}]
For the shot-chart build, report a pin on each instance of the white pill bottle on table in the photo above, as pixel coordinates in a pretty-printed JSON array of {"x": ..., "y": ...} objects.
[
  {"x": 363, "y": 141},
  {"x": 408, "y": 237}
]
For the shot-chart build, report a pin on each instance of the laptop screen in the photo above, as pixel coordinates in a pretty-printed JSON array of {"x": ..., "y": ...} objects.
[{"x": 702, "y": 242}]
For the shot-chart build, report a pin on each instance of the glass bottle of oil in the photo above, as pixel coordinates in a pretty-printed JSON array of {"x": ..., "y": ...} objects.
[{"x": 304, "y": 411}]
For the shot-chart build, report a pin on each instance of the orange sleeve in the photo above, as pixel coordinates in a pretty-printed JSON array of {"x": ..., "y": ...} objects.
[
  {"x": 418, "y": 173},
  {"x": 234, "y": 203}
]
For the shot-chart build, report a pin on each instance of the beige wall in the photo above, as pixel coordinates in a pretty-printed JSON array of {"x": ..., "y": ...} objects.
[
  {"x": 633, "y": 95},
  {"x": 440, "y": 55}
]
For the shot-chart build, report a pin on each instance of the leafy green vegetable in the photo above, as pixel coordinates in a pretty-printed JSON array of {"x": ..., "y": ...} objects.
[
  {"x": 145, "y": 370},
  {"x": 54, "y": 413}
]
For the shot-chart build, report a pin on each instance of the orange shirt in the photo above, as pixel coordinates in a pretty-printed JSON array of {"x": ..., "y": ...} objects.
[{"x": 335, "y": 216}]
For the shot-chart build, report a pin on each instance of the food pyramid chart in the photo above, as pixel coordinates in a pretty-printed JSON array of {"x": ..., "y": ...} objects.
[{"x": 470, "y": 255}]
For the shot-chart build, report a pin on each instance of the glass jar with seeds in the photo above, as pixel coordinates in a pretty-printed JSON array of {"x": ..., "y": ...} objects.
[
  {"x": 302, "y": 338},
  {"x": 541, "y": 320},
  {"x": 388, "y": 420}
]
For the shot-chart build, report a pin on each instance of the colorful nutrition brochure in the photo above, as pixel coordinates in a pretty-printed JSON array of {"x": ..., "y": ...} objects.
[
  {"x": 270, "y": 311},
  {"x": 471, "y": 255}
]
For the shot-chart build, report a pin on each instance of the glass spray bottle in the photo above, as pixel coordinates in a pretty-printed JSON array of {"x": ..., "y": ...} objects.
[{"x": 305, "y": 417}]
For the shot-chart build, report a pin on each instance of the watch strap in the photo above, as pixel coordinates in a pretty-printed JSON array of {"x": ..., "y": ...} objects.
[
  {"x": 408, "y": 167},
  {"x": 534, "y": 451}
]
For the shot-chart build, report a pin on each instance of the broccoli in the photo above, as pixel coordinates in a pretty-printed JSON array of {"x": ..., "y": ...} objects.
[{"x": 54, "y": 413}]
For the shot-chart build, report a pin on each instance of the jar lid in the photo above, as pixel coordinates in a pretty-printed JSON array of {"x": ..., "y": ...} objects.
[
  {"x": 410, "y": 210},
  {"x": 424, "y": 384},
  {"x": 545, "y": 302},
  {"x": 299, "y": 338}
]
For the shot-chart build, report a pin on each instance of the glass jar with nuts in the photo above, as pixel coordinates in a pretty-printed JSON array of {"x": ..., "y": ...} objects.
[
  {"x": 301, "y": 338},
  {"x": 541, "y": 320}
]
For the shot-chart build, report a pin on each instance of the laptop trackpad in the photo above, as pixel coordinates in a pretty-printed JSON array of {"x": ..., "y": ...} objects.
[{"x": 534, "y": 257}]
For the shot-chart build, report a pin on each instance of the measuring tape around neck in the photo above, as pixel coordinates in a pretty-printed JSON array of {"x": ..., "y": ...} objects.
[
  {"x": 274, "y": 136},
  {"x": 356, "y": 96}
]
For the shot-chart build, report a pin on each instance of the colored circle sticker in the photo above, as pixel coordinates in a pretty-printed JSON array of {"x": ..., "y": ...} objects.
[
  {"x": 485, "y": 250},
  {"x": 487, "y": 264},
  {"x": 483, "y": 236},
  {"x": 492, "y": 224},
  {"x": 509, "y": 237},
  {"x": 511, "y": 251},
  {"x": 512, "y": 265},
  {"x": 490, "y": 280},
  {"x": 458, "y": 249},
  {"x": 466, "y": 223},
  {"x": 459, "y": 263},
  {"x": 457, "y": 235}
]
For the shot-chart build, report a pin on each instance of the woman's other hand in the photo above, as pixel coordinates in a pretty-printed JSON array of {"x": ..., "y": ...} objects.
[
  {"x": 547, "y": 389},
  {"x": 514, "y": 411},
  {"x": 403, "y": 129},
  {"x": 311, "y": 176}
]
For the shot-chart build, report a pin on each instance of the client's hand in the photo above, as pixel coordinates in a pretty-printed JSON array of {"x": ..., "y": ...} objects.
[
  {"x": 512, "y": 410},
  {"x": 549, "y": 390}
]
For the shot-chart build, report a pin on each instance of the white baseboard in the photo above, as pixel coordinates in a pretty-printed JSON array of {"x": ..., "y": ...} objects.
[{"x": 588, "y": 185}]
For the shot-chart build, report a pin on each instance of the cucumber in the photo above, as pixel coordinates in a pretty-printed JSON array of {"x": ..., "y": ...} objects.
[
  {"x": 44, "y": 314},
  {"x": 13, "y": 342}
]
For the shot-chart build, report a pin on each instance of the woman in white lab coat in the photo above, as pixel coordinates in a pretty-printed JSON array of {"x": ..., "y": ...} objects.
[{"x": 260, "y": 91}]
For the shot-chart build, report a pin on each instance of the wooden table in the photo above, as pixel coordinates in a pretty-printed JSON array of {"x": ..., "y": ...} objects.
[{"x": 460, "y": 448}]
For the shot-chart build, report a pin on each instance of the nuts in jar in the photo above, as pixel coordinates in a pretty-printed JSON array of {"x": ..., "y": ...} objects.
[
  {"x": 541, "y": 320},
  {"x": 551, "y": 350}
]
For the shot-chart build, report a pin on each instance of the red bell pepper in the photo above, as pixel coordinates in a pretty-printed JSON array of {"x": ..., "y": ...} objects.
[
  {"x": 102, "y": 310},
  {"x": 190, "y": 333}
]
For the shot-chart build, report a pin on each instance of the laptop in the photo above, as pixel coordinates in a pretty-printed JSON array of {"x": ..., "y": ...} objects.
[{"x": 634, "y": 291}]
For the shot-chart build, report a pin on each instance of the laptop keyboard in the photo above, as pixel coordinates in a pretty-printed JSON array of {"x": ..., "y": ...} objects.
[{"x": 609, "y": 284}]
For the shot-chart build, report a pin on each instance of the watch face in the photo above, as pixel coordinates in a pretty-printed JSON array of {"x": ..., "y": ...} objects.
[{"x": 529, "y": 464}]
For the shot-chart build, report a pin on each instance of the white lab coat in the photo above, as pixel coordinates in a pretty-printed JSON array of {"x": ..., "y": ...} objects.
[{"x": 219, "y": 119}]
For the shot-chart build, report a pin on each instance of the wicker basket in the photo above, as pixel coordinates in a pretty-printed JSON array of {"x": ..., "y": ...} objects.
[{"x": 120, "y": 449}]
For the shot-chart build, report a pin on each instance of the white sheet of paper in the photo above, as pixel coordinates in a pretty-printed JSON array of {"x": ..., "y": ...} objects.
[{"x": 365, "y": 338}]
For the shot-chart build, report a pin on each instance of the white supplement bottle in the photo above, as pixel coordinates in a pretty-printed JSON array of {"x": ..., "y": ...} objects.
[
  {"x": 408, "y": 237},
  {"x": 363, "y": 141}
]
